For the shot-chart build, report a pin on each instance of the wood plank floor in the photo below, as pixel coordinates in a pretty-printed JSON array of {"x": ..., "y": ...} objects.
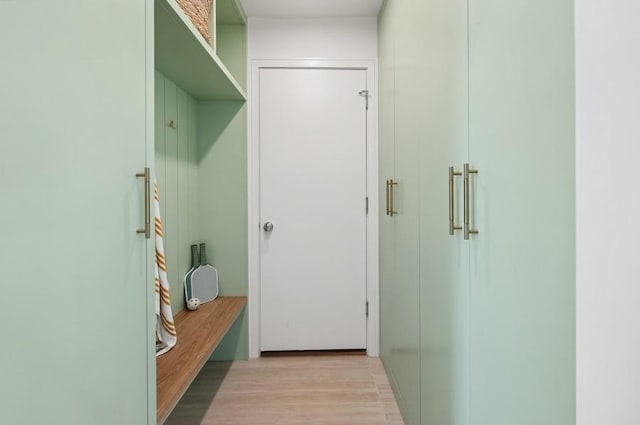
[{"x": 336, "y": 390}]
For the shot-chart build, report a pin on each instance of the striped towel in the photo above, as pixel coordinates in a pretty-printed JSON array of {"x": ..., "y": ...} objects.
[{"x": 165, "y": 328}]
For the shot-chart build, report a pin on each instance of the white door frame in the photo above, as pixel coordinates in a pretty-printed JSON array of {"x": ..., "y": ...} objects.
[{"x": 253, "y": 183}]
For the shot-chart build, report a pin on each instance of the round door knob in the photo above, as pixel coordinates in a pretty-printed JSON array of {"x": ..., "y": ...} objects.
[{"x": 268, "y": 226}]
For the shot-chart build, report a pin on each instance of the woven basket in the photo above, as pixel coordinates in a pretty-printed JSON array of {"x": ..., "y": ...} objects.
[{"x": 199, "y": 11}]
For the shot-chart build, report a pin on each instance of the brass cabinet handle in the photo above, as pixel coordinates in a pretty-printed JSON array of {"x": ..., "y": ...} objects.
[
  {"x": 467, "y": 229},
  {"x": 147, "y": 201},
  {"x": 388, "y": 197},
  {"x": 392, "y": 196},
  {"x": 452, "y": 212}
]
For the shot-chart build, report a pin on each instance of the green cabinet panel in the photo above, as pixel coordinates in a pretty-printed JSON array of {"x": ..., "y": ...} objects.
[
  {"x": 169, "y": 191},
  {"x": 176, "y": 161},
  {"x": 386, "y": 136},
  {"x": 400, "y": 332},
  {"x": 75, "y": 285},
  {"x": 389, "y": 327},
  {"x": 440, "y": 84},
  {"x": 232, "y": 49},
  {"x": 490, "y": 83},
  {"x": 523, "y": 260},
  {"x": 222, "y": 207},
  {"x": 424, "y": 270}
]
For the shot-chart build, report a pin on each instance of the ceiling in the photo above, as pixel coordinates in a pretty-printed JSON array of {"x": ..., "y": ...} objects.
[{"x": 311, "y": 8}]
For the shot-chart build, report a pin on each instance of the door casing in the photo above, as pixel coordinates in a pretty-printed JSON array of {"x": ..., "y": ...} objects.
[{"x": 253, "y": 190}]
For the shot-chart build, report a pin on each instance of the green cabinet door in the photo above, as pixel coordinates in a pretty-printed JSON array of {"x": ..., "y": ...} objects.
[
  {"x": 522, "y": 285},
  {"x": 406, "y": 202},
  {"x": 76, "y": 347},
  {"x": 440, "y": 85},
  {"x": 389, "y": 327},
  {"x": 399, "y": 285}
]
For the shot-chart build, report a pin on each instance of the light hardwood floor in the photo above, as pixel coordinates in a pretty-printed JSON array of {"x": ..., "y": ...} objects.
[{"x": 337, "y": 390}]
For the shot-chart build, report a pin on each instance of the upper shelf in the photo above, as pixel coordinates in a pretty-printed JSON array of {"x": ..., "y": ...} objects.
[{"x": 182, "y": 55}]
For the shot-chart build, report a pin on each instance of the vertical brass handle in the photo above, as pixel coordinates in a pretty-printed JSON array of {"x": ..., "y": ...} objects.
[
  {"x": 467, "y": 228},
  {"x": 452, "y": 207},
  {"x": 388, "y": 197},
  {"x": 392, "y": 198},
  {"x": 147, "y": 202}
]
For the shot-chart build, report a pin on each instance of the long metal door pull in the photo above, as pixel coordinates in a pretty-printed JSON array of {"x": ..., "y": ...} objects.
[
  {"x": 452, "y": 208},
  {"x": 387, "y": 193},
  {"x": 391, "y": 194},
  {"x": 147, "y": 203},
  {"x": 467, "y": 227},
  {"x": 392, "y": 198}
]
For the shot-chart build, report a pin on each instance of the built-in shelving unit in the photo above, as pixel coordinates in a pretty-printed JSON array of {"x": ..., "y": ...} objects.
[
  {"x": 200, "y": 136},
  {"x": 183, "y": 56}
]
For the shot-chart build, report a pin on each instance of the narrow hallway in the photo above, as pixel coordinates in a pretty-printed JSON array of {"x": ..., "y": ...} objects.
[{"x": 334, "y": 390}]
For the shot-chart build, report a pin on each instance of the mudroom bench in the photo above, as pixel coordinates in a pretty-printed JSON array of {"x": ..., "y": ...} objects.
[{"x": 199, "y": 333}]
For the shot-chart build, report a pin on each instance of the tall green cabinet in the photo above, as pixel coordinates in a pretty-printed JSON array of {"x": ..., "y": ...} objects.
[
  {"x": 78, "y": 83},
  {"x": 478, "y": 331},
  {"x": 399, "y": 165},
  {"x": 76, "y": 303}
]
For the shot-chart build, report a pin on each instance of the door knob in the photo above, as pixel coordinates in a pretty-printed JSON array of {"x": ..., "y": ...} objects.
[{"x": 268, "y": 226}]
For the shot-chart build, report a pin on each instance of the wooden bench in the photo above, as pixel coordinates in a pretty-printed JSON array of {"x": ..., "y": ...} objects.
[{"x": 199, "y": 333}]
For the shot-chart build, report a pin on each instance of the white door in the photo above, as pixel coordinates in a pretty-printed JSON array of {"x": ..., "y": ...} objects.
[{"x": 312, "y": 200}]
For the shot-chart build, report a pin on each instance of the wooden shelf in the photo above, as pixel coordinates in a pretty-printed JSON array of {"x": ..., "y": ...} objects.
[
  {"x": 199, "y": 333},
  {"x": 182, "y": 55}
]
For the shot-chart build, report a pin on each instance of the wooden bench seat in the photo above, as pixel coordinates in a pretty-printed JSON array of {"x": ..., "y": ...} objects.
[{"x": 199, "y": 333}]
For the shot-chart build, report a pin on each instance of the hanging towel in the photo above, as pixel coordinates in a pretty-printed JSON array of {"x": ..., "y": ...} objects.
[{"x": 165, "y": 328}]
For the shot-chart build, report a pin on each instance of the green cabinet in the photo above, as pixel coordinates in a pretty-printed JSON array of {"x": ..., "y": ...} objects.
[
  {"x": 76, "y": 302},
  {"x": 399, "y": 301},
  {"x": 441, "y": 110},
  {"x": 424, "y": 271},
  {"x": 78, "y": 117},
  {"x": 522, "y": 286},
  {"x": 487, "y": 83}
]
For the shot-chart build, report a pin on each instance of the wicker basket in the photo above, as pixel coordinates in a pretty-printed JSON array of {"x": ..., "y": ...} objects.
[{"x": 199, "y": 11}]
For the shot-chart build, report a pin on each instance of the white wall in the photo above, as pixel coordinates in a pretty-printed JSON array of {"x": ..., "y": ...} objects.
[
  {"x": 608, "y": 205},
  {"x": 322, "y": 38}
]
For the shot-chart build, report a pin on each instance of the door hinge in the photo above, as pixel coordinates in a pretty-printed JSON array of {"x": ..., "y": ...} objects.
[
  {"x": 365, "y": 94},
  {"x": 366, "y": 205},
  {"x": 366, "y": 309}
]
